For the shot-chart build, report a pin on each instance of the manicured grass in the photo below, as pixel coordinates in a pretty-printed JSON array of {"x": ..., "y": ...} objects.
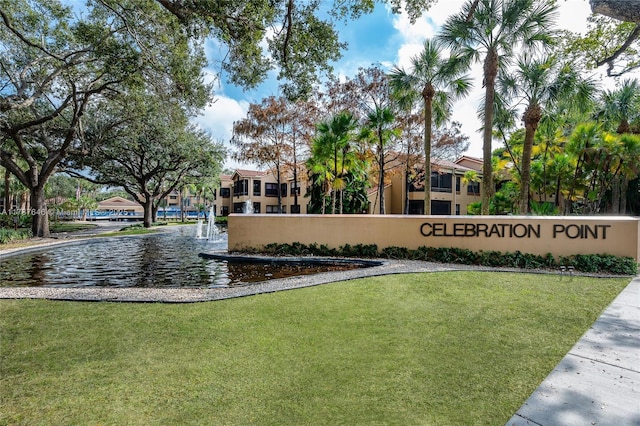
[
  {"x": 57, "y": 227},
  {"x": 442, "y": 348},
  {"x": 126, "y": 231}
]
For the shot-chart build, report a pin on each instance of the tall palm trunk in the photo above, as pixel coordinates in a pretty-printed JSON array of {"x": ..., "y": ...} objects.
[
  {"x": 624, "y": 188},
  {"x": 381, "y": 175},
  {"x": 334, "y": 194},
  {"x": 531, "y": 119},
  {"x": 427, "y": 95},
  {"x": 615, "y": 195},
  {"x": 490, "y": 73}
]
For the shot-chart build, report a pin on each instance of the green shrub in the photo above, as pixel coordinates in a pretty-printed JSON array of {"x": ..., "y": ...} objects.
[
  {"x": 395, "y": 253},
  {"x": 366, "y": 250},
  {"x": 474, "y": 208},
  {"x": 543, "y": 208},
  {"x": 8, "y": 220},
  {"x": 592, "y": 263},
  {"x": 7, "y": 235},
  {"x": 601, "y": 263}
]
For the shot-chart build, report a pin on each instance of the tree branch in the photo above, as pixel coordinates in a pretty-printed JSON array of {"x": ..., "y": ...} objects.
[
  {"x": 622, "y": 10},
  {"x": 24, "y": 39},
  {"x": 289, "y": 24},
  {"x": 633, "y": 36}
]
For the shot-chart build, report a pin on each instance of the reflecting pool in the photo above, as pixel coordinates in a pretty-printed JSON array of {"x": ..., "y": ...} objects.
[{"x": 168, "y": 259}]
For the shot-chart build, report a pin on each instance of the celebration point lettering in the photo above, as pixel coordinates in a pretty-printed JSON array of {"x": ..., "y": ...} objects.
[{"x": 511, "y": 230}]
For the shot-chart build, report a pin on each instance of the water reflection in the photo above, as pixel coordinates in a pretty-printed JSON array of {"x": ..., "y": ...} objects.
[{"x": 166, "y": 259}]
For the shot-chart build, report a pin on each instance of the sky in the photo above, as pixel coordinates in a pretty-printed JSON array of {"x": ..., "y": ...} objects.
[{"x": 389, "y": 40}]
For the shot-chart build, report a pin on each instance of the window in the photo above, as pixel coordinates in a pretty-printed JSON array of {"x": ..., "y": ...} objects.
[
  {"x": 272, "y": 209},
  {"x": 238, "y": 207},
  {"x": 457, "y": 209},
  {"x": 416, "y": 207},
  {"x": 256, "y": 207},
  {"x": 283, "y": 189},
  {"x": 440, "y": 182},
  {"x": 225, "y": 192},
  {"x": 284, "y": 209},
  {"x": 257, "y": 184},
  {"x": 295, "y": 208},
  {"x": 271, "y": 190},
  {"x": 295, "y": 189},
  {"x": 241, "y": 187},
  {"x": 458, "y": 184},
  {"x": 441, "y": 207},
  {"x": 214, "y": 194},
  {"x": 473, "y": 188},
  {"x": 224, "y": 211}
]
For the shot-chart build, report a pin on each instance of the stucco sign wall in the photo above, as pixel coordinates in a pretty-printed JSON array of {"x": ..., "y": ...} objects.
[{"x": 560, "y": 236}]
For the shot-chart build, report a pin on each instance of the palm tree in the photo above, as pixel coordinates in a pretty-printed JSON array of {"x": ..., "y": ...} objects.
[
  {"x": 629, "y": 169},
  {"x": 331, "y": 153},
  {"x": 439, "y": 81},
  {"x": 379, "y": 129},
  {"x": 585, "y": 143},
  {"x": 470, "y": 176},
  {"x": 540, "y": 83},
  {"x": 493, "y": 29},
  {"x": 619, "y": 108},
  {"x": 86, "y": 204}
]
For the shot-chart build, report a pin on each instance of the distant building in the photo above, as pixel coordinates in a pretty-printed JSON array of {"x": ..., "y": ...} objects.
[
  {"x": 171, "y": 207},
  {"x": 117, "y": 208}
]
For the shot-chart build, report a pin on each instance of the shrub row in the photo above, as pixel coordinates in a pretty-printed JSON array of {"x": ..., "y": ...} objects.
[
  {"x": 603, "y": 263},
  {"x": 8, "y": 220},
  {"x": 7, "y": 235}
]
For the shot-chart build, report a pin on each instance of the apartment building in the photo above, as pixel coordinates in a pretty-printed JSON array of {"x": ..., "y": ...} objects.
[
  {"x": 451, "y": 193},
  {"x": 257, "y": 191}
]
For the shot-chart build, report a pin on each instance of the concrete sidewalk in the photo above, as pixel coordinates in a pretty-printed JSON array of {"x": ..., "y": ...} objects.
[{"x": 598, "y": 381}]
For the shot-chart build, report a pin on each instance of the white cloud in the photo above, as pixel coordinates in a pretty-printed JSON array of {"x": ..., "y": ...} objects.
[
  {"x": 573, "y": 14},
  {"x": 417, "y": 32},
  {"x": 412, "y": 36},
  {"x": 218, "y": 119}
]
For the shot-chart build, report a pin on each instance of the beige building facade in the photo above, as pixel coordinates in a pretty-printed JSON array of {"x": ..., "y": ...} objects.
[
  {"x": 257, "y": 192},
  {"x": 451, "y": 194}
]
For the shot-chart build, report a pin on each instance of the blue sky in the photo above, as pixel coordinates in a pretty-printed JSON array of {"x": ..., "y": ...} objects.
[{"x": 388, "y": 39}]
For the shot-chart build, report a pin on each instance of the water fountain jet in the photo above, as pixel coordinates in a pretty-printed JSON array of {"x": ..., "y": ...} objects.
[
  {"x": 211, "y": 233},
  {"x": 248, "y": 207}
]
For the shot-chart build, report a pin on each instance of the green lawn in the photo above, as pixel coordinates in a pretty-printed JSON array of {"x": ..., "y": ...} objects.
[{"x": 455, "y": 348}]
